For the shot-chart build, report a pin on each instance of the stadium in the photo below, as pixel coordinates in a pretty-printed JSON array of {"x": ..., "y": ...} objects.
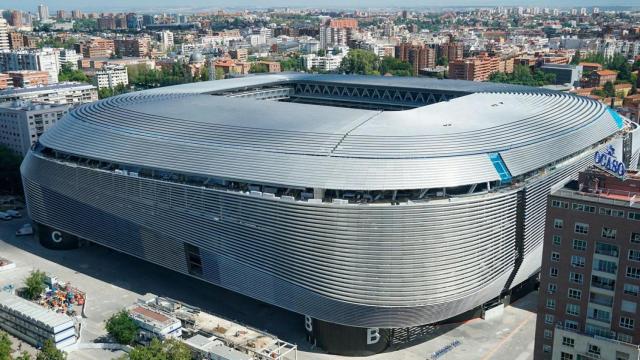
[{"x": 366, "y": 204}]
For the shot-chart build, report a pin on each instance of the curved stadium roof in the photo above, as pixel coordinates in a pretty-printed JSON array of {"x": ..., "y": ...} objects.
[{"x": 186, "y": 129}]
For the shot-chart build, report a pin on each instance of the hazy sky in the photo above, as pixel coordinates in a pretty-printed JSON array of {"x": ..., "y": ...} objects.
[{"x": 158, "y": 5}]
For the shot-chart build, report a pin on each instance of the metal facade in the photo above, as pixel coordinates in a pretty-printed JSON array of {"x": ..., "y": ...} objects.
[{"x": 371, "y": 265}]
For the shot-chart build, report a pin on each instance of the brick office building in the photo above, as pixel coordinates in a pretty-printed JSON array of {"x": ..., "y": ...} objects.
[{"x": 590, "y": 275}]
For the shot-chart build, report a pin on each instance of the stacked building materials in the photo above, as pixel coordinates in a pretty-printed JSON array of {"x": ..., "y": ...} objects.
[{"x": 35, "y": 324}]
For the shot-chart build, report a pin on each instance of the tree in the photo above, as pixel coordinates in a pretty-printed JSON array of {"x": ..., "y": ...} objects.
[
  {"x": 105, "y": 93},
  {"x": 10, "y": 178},
  {"x": 442, "y": 61},
  {"x": 50, "y": 352},
  {"x": 5, "y": 346},
  {"x": 609, "y": 89},
  {"x": 120, "y": 89},
  {"x": 258, "y": 68},
  {"x": 155, "y": 351},
  {"x": 620, "y": 64},
  {"x": 522, "y": 75},
  {"x": 396, "y": 67},
  {"x": 595, "y": 58},
  {"x": 204, "y": 74},
  {"x": 576, "y": 58},
  {"x": 361, "y": 62},
  {"x": 291, "y": 64},
  {"x": 177, "y": 350},
  {"x": 219, "y": 73},
  {"x": 34, "y": 284},
  {"x": 23, "y": 356},
  {"x": 122, "y": 328},
  {"x": 67, "y": 73},
  {"x": 171, "y": 349},
  {"x": 86, "y": 25}
]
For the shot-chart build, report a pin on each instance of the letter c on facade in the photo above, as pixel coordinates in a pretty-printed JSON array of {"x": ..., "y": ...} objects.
[{"x": 56, "y": 236}]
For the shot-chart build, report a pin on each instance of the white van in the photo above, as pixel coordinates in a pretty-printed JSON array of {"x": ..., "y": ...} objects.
[{"x": 26, "y": 229}]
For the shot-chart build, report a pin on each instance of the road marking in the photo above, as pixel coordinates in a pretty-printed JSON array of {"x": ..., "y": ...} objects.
[{"x": 501, "y": 343}]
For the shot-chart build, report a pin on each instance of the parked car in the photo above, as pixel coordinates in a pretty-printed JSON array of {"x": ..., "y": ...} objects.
[
  {"x": 5, "y": 216},
  {"x": 26, "y": 229},
  {"x": 14, "y": 213}
]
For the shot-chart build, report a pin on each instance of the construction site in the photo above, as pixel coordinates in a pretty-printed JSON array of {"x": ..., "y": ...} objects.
[
  {"x": 209, "y": 335},
  {"x": 62, "y": 298}
]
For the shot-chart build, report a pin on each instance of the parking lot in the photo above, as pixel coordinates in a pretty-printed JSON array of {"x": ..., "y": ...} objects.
[{"x": 113, "y": 281}]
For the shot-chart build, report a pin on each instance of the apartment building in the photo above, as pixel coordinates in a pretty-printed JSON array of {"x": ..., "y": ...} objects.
[
  {"x": 40, "y": 60},
  {"x": 5, "y": 81},
  {"x": 272, "y": 66},
  {"x": 474, "y": 69},
  {"x": 589, "y": 67},
  {"x": 338, "y": 32},
  {"x": 16, "y": 40},
  {"x": 239, "y": 54},
  {"x": 23, "y": 122},
  {"x": 590, "y": 277},
  {"x": 328, "y": 62},
  {"x": 107, "y": 23},
  {"x": 96, "y": 48},
  {"x": 111, "y": 76},
  {"x": 4, "y": 35},
  {"x": 165, "y": 38},
  {"x": 600, "y": 77},
  {"x": 138, "y": 47},
  {"x": 24, "y": 78},
  {"x": 69, "y": 56},
  {"x": 451, "y": 50},
  {"x": 64, "y": 93},
  {"x": 419, "y": 56}
]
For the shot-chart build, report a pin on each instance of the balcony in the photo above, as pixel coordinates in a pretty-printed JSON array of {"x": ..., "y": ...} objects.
[
  {"x": 599, "y": 332},
  {"x": 600, "y": 299},
  {"x": 600, "y": 321},
  {"x": 605, "y": 285},
  {"x": 611, "y": 253},
  {"x": 588, "y": 356}
]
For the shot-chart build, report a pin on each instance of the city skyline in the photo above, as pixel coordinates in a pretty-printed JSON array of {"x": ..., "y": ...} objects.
[{"x": 160, "y": 5}]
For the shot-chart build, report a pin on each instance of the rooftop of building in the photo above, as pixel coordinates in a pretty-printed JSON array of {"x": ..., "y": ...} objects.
[
  {"x": 590, "y": 64},
  {"x": 30, "y": 105},
  {"x": 303, "y": 144},
  {"x": 623, "y": 86},
  {"x": 596, "y": 185},
  {"x": 27, "y": 72},
  {"x": 30, "y": 310},
  {"x": 46, "y": 88},
  {"x": 111, "y": 67},
  {"x": 151, "y": 316},
  {"x": 559, "y": 66},
  {"x": 606, "y": 72}
]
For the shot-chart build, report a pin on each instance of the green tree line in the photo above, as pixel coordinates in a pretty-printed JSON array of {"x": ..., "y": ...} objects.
[
  {"x": 363, "y": 62},
  {"x": 523, "y": 76},
  {"x": 47, "y": 352}
]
